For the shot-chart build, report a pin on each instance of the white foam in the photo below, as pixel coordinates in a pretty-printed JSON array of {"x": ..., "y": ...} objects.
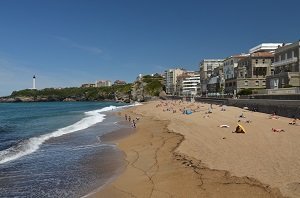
[{"x": 31, "y": 145}]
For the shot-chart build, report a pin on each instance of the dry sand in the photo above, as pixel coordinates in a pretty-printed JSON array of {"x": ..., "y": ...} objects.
[{"x": 163, "y": 156}]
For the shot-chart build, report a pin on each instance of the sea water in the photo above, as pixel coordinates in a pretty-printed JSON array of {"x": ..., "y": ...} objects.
[{"x": 55, "y": 149}]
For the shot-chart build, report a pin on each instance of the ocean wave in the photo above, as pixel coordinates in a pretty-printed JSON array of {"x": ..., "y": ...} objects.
[{"x": 31, "y": 145}]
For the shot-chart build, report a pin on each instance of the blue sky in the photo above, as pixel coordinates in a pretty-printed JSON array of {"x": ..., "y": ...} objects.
[{"x": 67, "y": 43}]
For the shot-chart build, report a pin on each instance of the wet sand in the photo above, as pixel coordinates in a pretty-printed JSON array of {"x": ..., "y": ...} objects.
[{"x": 176, "y": 155}]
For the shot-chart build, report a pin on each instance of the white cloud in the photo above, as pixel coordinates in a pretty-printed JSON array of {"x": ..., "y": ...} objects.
[{"x": 91, "y": 49}]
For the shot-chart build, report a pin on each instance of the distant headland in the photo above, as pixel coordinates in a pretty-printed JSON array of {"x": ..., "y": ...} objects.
[{"x": 144, "y": 88}]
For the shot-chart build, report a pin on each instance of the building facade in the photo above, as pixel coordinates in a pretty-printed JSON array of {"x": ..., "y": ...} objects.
[
  {"x": 207, "y": 66},
  {"x": 191, "y": 86},
  {"x": 120, "y": 82},
  {"x": 286, "y": 67},
  {"x": 103, "y": 83},
  {"x": 171, "y": 80},
  {"x": 265, "y": 47},
  {"x": 86, "y": 85},
  {"x": 251, "y": 73},
  {"x": 230, "y": 63}
]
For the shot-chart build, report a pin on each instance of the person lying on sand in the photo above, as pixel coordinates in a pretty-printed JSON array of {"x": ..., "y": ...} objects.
[
  {"x": 293, "y": 122},
  {"x": 278, "y": 130},
  {"x": 223, "y": 108},
  {"x": 206, "y": 116},
  {"x": 273, "y": 116},
  {"x": 247, "y": 121}
]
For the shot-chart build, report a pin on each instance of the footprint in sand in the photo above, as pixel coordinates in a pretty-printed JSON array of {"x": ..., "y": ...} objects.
[{"x": 294, "y": 187}]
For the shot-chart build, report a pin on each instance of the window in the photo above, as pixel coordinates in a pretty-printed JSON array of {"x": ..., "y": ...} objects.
[
  {"x": 257, "y": 83},
  {"x": 246, "y": 83},
  {"x": 272, "y": 71},
  {"x": 263, "y": 83}
]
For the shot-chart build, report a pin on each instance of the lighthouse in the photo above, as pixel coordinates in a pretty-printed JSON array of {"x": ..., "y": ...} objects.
[{"x": 33, "y": 82}]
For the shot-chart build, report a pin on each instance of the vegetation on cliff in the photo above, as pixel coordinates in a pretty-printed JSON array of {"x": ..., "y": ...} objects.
[
  {"x": 141, "y": 90},
  {"x": 121, "y": 92},
  {"x": 147, "y": 87}
]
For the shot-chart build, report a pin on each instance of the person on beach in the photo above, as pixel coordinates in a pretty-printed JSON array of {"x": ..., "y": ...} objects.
[
  {"x": 129, "y": 118},
  {"x": 223, "y": 108},
  {"x": 133, "y": 124},
  {"x": 293, "y": 122},
  {"x": 242, "y": 116},
  {"x": 126, "y": 117},
  {"x": 274, "y": 116},
  {"x": 209, "y": 110},
  {"x": 278, "y": 130}
]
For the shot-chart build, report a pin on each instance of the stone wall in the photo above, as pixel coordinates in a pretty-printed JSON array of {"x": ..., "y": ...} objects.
[{"x": 286, "y": 108}]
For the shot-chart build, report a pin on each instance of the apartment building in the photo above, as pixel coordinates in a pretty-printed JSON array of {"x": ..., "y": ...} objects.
[
  {"x": 230, "y": 63},
  {"x": 251, "y": 72},
  {"x": 171, "y": 80},
  {"x": 207, "y": 67},
  {"x": 286, "y": 67},
  {"x": 191, "y": 85}
]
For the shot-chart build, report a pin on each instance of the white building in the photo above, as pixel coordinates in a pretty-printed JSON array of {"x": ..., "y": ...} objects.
[
  {"x": 191, "y": 86},
  {"x": 207, "y": 67},
  {"x": 230, "y": 64},
  {"x": 265, "y": 47},
  {"x": 103, "y": 83},
  {"x": 171, "y": 79}
]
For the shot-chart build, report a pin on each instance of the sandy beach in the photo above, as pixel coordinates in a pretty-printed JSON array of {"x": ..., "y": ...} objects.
[{"x": 172, "y": 154}]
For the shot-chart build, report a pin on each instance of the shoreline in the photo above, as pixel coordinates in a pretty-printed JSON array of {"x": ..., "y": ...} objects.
[{"x": 197, "y": 178}]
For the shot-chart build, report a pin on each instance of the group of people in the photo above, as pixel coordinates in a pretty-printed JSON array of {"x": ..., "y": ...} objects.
[
  {"x": 132, "y": 121},
  {"x": 171, "y": 106}
]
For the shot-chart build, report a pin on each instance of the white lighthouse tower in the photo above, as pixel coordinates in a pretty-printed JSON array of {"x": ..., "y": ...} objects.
[{"x": 33, "y": 82}]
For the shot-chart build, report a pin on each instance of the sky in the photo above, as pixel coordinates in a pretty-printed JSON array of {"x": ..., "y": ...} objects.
[{"x": 66, "y": 43}]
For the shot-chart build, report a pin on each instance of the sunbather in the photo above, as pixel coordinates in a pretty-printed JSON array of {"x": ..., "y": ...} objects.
[
  {"x": 278, "y": 130},
  {"x": 293, "y": 122}
]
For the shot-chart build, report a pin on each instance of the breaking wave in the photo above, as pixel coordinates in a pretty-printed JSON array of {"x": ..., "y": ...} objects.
[{"x": 31, "y": 145}]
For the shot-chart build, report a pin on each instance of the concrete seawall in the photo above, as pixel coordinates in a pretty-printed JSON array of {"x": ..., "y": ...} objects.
[{"x": 286, "y": 108}]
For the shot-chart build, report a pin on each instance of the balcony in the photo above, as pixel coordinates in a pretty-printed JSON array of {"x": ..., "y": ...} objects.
[{"x": 285, "y": 62}]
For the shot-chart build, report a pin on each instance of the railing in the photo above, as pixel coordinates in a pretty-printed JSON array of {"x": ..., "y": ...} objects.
[{"x": 285, "y": 62}]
